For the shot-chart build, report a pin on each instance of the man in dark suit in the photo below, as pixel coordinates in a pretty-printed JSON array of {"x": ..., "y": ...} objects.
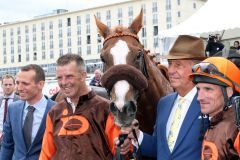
[
  {"x": 179, "y": 126},
  {"x": 26, "y": 119},
  {"x": 9, "y": 96}
]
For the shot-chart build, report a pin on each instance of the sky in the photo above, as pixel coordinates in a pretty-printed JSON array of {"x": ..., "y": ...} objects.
[{"x": 19, "y": 10}]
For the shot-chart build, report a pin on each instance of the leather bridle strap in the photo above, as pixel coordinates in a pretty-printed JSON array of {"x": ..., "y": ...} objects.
[{"x": 120, "y": 35}]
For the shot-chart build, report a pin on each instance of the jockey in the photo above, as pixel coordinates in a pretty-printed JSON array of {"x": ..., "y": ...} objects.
[{"x": 217, "y": 80}]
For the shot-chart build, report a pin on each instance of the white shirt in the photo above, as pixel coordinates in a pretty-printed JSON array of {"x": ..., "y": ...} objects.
[{"x": 11, "y": 97}]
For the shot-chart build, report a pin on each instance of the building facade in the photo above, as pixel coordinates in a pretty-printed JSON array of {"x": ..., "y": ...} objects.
[{"x": 43, "y": 39}]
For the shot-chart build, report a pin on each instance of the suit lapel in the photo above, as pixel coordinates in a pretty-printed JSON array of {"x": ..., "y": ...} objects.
[
  {"x": 19, "y": 121},
  {"x": 192, "y": 113},
  {"x": 163, "y": 121}
]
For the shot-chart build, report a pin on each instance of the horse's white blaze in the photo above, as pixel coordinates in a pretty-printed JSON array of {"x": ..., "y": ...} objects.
[
  {"x": 121, "y": 89},
  {"x": 119, "y": 52}
]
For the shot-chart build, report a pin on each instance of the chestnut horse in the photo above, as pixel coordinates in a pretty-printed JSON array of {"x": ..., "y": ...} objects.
[{"x": 122, "y": 46}]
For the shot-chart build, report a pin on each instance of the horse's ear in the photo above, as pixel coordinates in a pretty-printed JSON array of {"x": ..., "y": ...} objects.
[
  {"x": 103, "y": 29},
  {"x": 137, "y": 23}
]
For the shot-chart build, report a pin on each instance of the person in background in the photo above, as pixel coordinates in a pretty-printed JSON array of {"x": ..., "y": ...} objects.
[
  {"x": 96, "y": 80},
  {"x": 236, "y": 45},
  {"x": 26, "y": 118},
  {"x": 213, "y": 46},
  {"x": 217, "y": 80},
  {"x": 9, "y": 96}
]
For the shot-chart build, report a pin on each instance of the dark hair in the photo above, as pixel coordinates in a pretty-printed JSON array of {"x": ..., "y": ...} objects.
[
  {"x": 68, "y": 58},
  {"x": 8, "y": 76},
  {"x": 40, "y": 75}
]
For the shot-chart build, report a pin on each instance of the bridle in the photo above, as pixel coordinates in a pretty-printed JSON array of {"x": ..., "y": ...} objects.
[{"x": 142, "y": 62}]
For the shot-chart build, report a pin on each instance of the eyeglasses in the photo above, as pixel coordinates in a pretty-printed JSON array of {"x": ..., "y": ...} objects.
[{"x": 207, "y": 68}]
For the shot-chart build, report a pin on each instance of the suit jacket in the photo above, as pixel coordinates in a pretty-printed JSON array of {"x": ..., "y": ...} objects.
[
  {"x": 189, "y": 143},
  {"x": 13, "y": 145}
]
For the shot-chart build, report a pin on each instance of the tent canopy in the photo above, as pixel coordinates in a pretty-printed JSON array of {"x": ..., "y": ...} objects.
[{"x": 213, "y": 16}]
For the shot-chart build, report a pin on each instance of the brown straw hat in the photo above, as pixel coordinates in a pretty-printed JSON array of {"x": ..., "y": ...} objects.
[{"x": 187, "y": 47}]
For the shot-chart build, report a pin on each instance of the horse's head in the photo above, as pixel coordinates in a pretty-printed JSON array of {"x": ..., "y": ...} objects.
[
  {"x": 123, "y": 82},
  {"x": 121, "y": 44}
]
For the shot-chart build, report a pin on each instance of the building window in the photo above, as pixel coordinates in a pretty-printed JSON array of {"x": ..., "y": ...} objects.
[
  {"x": 19, "y": 58},
  {"x": 4, "y": 59},
  {"x": 42, "y": 26},
  {"x": 34, "y": 28},
  {"x": 155, "y": 42},
  {"x": 99, "y": 48},
  {"x": 194, "y": 5},
  {"x": 35, "y": 56},
  {"x": 4, "y": 33},
  {"x": 179, "y": 2},
  {"x": 98, "y": 15},
  {"x": 130, "y": 11},
  {"x": 169, "y": 17},
  {"x": 11, "y": 32},
  {"x": 60, "y": 43},
  {"x": 144, "y": 32},
  {"x": 27, "y": 48},
  {"x": 108, "y": 15},
  {"x": 19, "y": 49},
  {"x": 80, "y": 51},
  {"x": 179, "y": 14},
  {"x": 69, "y": 32},
  {"x": 143, "y": 6},
  {"x": 51, "y": 44},
  {"x": 5, "y": 43},
  {"x": 51, "y": 34},
  {"x": 69, "y": 43},
  {"x": 78, "y": 20},
  {"x": 130, "y": 20},
  {"x": 99, "y": 38},
  {"x": 51, "y": 54},
  {"x": 27, "y": 56},
  {"x": 144, "y": 20},
  {"x": 12, "y": 50},
  {"x": 155, "y": 30},
  {"x": 155, "y": 19},
  {"x": 43, "y": 36},
  {"x": 119, "y": 12},
  {"x": 26, "y": 30},
  {"x": 169, "y": 25},
  {"x": 59, "y": 23},
  {"x": 79, "y": 42},
  {"x": 34, "y": 47},
  {"x": 168, "y": 5},
  {"x": 12, "y": 40},
  {"x": 19, "y": 39},
  {"x": 12, "y": 58},
  {"x": 120, "y": 22},
  {"x": 43, "y": 46},
  {"x": 68, "y": 22},
  {"x": 88, "y": 39},
  {"x": 88, "y": 49},
  {"x": 60, "y": 33},
  {"x": 34, "y": 37},
  {"x": 69, "y": 50},
  {"x": 4, "y": 51},
  {"x": 18, "y": 30},
  {"x": 61, "y": 52},
  {"x": 50, "y": 25},
  {"x": 88, "y": 18},
  {"x": 154, "y": 7},
  {"x": 43, "y": 55},
  {"x": 79, "y": 30}
]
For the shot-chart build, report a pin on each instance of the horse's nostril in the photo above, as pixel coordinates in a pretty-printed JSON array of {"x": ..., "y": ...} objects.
[{"x": 113, "y": 108}]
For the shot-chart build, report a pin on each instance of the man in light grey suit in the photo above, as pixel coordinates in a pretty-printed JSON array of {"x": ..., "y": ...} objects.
[
  {"x": 26, "y": 119},
  {"x": 9, "y": 96}
]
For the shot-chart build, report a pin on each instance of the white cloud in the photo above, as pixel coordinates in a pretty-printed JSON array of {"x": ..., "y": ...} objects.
[{"x": 15, "y": 10}]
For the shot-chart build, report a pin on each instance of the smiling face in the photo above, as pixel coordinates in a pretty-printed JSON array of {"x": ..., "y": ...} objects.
[{"x": 71, "y": 80}]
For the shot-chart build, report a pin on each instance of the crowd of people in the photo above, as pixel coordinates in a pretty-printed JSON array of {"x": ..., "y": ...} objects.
[{"x": 197, "y": 121}]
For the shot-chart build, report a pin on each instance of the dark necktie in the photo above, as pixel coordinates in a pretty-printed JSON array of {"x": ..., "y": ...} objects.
[
  {"x": 5, "y": 109},
  {"x": 27, "y": 127}
]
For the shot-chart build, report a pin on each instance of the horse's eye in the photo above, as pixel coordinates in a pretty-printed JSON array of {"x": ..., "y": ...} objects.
[{"x": 139, "y": 55}]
